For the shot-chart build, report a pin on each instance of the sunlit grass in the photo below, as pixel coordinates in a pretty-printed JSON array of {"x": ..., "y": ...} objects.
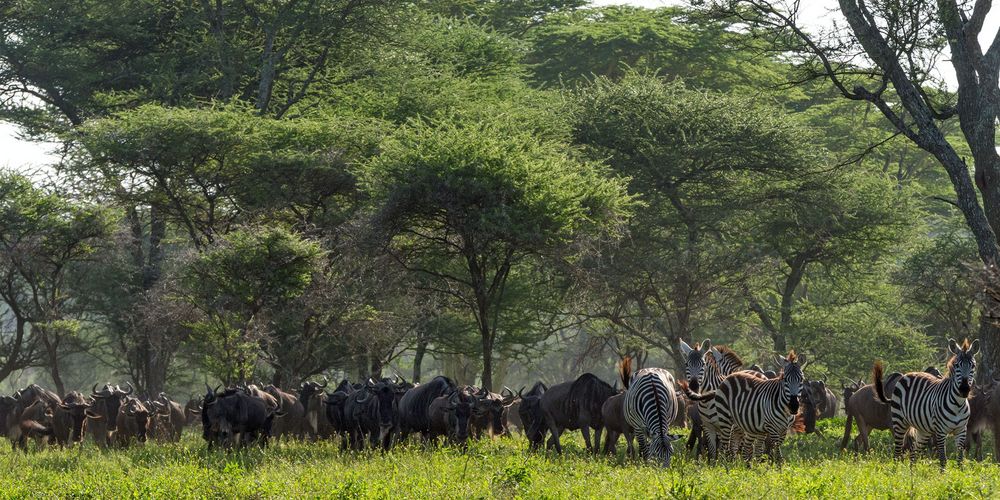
[{"x": 502, "y": 468}]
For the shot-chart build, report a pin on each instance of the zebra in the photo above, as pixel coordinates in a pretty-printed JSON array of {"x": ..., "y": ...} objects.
[
  {"x": 650, "y": 405},
  {"x": 758, "y": 409},
  {"x": 703, "y": 376},
  {"x": 933, "y": 407}
]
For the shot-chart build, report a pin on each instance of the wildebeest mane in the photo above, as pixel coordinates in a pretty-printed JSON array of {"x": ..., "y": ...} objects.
[{"x": 588, "y": 392}]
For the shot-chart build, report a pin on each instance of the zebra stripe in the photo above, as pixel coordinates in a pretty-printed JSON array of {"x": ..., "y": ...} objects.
[
  {"x": 650, "y": 406},
  {"x": 757, "y": 409},
  {"x": 933, "y": 407}
]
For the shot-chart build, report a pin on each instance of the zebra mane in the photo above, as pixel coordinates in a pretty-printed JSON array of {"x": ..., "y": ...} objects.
[{"x": 729, "y": 353}]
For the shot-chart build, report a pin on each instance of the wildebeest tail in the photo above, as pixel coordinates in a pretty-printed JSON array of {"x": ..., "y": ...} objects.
[
  {"x": 625, "y": 371},
  {"x": 799, "y": 424},
  {"x": 877, "y": 381}
]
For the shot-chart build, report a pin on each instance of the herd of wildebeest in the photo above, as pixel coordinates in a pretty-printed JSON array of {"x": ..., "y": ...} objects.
[{"x": 729, "y": 408}]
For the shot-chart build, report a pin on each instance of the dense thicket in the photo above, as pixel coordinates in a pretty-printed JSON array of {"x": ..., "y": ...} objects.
[{"x": 494, "y": 190}]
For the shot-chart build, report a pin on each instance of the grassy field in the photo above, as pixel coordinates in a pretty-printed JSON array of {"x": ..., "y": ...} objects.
[{"x": 490, "y": 469}]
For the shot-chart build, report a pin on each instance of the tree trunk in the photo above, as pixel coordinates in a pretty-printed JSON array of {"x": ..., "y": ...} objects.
[
  {"x": 418, "y": 358},
  {"x": 487, "y": 382}
]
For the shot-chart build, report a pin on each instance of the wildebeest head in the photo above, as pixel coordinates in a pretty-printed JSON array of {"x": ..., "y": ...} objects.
[
  {"x": 135, "y": 410},
  {"x": 791, "y": 379},
  {"x": 335, "y": 402},
  {"x": 459, "y": 411},
  {"x": 815, "y": 390},
  {"x": 962, "y": 365},
  {"x": 694, "y": 362},
  {"x": 309, "y": 389},
  {"x": 108, "y": 401},
  {"x": 532, "y": 416},
  {"x": 76, "y": 407}
]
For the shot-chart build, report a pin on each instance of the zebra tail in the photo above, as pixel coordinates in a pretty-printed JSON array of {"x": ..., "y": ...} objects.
[
  {"x": 705, "y": 396},
  {"x": 877, "y": 381},
  {"x": 625, "y": 371}
]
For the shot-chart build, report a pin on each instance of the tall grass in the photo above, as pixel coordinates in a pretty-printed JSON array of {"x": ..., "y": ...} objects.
[{"x": 501, "y": 468}]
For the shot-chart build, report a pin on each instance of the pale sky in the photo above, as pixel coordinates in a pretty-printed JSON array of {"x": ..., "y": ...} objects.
[{"x": 817, "y": 13}]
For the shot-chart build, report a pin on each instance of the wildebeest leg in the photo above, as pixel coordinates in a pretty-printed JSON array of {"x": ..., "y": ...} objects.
[
  {"x": 847, "y": 432},
  {"x": 597, "y": 439},
  {"x": 610, "y": 442},
  {"x": 629, "y": 435},
  {"x": 585, "y": 430},
  {"x": 556, "y": 432}
]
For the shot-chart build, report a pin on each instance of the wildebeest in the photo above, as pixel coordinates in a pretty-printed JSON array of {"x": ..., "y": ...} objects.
[
  {"x": 821, "y": 397},
  {"x": 31, "y": 416},
  {"x": 490, "y": 412},
  {"x": 613, "y": 416},
  {"x": 311, "y": 396},
  {"x": 864, "y": 409},
  {"x": 103, "y": 416},
  {"x": 576, "y": 405},
  {"x": 70, "y": 419},
  {"x": 192, "y": 410},
  {"x": 291, "y": 424},
  {"x": 449, "y": 416},
  {"x": 414, "y": 404},
  {"x": 371, "y": 413},
  {"x": 335, "y": 403},
  {"x": 236, "y": 418},
  {"x": 133, "y": 421},
  {"x": 531, "y": 414},
  {"x": 169, "y": 418},
  {"x": 980, "y": 417}
]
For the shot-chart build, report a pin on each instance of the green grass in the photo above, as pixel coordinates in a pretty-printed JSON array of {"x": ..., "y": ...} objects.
[{"x": 490, "y": 469}]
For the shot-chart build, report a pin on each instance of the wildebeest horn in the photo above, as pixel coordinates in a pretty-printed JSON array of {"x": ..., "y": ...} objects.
[
  {"x": 130, "y": 388},
  {"x": 325, "y": 383},
  {"x": 92, "y": 415},
  {"x": 95, "y": 394},
  {"x": 520, "y": 391}
]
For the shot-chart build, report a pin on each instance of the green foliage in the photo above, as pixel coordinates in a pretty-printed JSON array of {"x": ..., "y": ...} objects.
[
  {"x": 248, "y": 273},
  {"x": 671, "y": 42},
  {"x": 503, "y": 468}
]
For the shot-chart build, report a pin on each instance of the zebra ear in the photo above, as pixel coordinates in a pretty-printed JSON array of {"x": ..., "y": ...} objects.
[
  {"x": 706, "y": 345},
  {"x": 974, "y": 348},
  {"x": 685, "y": 348},
  {"x": 778, "y": 360},
  {"x": 952, "y": 346},
  {"x": 717, "y": 355},
  {"x": 802, "y": 360}
]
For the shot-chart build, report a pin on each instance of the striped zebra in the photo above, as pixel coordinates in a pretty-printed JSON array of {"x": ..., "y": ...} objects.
[
  {"x": 650, "y": 405},
  {"x": 933, "y": 407},
  {"x": 705, "y": 367},
  {"x": 759, "y": 409}
]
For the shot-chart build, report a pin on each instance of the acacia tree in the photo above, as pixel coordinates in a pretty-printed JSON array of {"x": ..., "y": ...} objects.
[
  {"x": 703, "y": 163},
  {"x": 470, "y": 201},
  {"x": 236, "y": 285},
  {"x": 42, "y": 236},
  {"x": 902, "y": 41}
]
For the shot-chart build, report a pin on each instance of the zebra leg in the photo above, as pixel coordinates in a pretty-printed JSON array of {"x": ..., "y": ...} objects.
[
  {"x": 709, "y": 439},
  {"x": 940, "y": 445},
  {"x": 641, "y": 436},
  {"x": 961, "y": 440}
]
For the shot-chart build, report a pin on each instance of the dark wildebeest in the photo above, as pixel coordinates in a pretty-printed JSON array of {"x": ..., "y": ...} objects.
[
  {"x": 292, "y": 423},
  {"x": 70, "y": 420},
  {"x": 449, "y": 416},
  {"x": 822, "y": 397},
  {"x": 133, "y": 422},
  {"x": 576, "y": 405},
  {"x": 335, "y": 403},
  {"x": 311, "y": 396},
  {"x": 103, "y": 416},
  {"x": 414, "y": 404},
  {"x": 236, "y": 418},
  {"x": 489, "y": 412},
  {"x": 531, "y": 414},
  {"x": 933, "y": 371},
  {"x": 613, "y": 415},
  {"x": 372, "y": 413},
  {"x": 31, "y": 416}
]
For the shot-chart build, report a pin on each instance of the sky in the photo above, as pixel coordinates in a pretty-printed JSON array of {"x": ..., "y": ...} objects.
[{"x": 816, "y": 13}]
